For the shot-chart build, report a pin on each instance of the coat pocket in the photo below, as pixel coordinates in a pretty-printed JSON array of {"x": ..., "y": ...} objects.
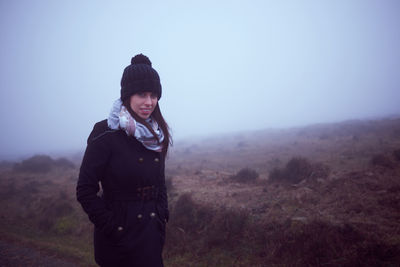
[{"x": 119, "y": 223}]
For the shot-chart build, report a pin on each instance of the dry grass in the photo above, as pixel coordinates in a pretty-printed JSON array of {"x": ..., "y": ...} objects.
[
  {"x": 39, "y": 208},
  {"x": 245, "y": 175},
  {"x": 329, "y": 189},
  {"x": 42, "y": 164},
  {"x": 335, "y": 201}
]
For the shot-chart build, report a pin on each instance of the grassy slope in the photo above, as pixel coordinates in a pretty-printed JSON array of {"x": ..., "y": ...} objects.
[{"x": 350, "y": 217}]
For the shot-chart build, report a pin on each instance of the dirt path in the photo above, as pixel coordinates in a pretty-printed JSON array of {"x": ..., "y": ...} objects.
[{"x": 16, "y": 254}]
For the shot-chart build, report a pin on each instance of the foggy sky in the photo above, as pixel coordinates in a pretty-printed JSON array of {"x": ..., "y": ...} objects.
[{"x": 224, "y": 65}]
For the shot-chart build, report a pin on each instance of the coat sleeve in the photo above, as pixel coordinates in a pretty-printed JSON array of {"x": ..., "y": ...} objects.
[
  {"x": 92, "y": 170},
  {"x": 162, "y": 196}
]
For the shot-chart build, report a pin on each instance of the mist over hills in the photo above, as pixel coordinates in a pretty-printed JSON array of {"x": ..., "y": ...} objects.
[
  {"x": 355, "y": 127},
  {"x": 297, "y": 196}
]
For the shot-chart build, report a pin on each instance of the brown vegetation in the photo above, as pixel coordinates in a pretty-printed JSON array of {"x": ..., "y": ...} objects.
[
  {"x": 324, "y": 195},
  {"x": 42, "y": 164},
  {"x": 396, "y": 154},
  {"x": 38, "y": 207},
  {"x": 296, "y": 170},
  {"x": 245, "y": 175},
  {"x": 200, "y": 229},
  {"x": 299, "y": 169},
  {"x": 383, "y": 161}
]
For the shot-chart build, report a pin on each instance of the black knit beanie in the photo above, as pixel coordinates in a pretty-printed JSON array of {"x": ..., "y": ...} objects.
[{"x": 140, "y": 77}]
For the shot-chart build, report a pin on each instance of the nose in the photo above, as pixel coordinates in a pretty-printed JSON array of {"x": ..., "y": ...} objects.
[{"x": 148, "y": 101}]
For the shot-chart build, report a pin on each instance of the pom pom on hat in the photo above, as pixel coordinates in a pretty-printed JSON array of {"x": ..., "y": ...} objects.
[{"x": 140, "y": 59}]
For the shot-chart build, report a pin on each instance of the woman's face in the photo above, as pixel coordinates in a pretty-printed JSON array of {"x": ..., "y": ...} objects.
[{"x": 143, "y": 103}]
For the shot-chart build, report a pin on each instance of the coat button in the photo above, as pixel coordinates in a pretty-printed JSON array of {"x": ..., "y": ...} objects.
[
  {"x": 156, "y": 160},
  {"x": 139, "y": 216},
  {"x": 140, "y": 159},
  {"x": 152, "y": 215},
  {"x": 120, "y": 228}
]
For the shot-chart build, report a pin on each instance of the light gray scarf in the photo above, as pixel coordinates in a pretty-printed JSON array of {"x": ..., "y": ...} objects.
[{"x": 120, "y": 118}]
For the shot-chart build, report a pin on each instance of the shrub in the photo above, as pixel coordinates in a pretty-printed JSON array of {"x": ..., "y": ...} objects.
[
  {"x": 8, "y": 191},
  {"x": 296, "y": 170},
  {"x": 37, "y": 163},
  {"x": 277, "y": 174},
  {"x": 42, "y": 164},
  {"x": 49, "y": 213},
  {"x": 382, "y": 160},
  {"x": 4, "y": 164},
  {"x": 320, "y": 170},
  {"x": 30, "y": 188},
  {"x": 245, "y": 175},
  {"x": 197, "y": 231},
  {"x": 396, "y": 154},
  {"x": 55, "y": 208},
  {"x": 46, "y": 223},
  {"x": 64, "y": 163},
  {"x": 228, "y": 226},
  {"x": 201, "y": 227},
  {"x": 320, "y": 243},
  {"x": 64, "y": 225},
  {"x": 190, "y": 216}
]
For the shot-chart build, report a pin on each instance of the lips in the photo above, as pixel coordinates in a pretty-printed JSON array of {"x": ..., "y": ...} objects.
[{"x": 145, "y": 110}]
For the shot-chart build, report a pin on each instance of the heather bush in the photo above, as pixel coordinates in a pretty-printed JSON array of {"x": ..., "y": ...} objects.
[
  {"x": 55, "y": 208},
  {"x": 277, "y": 174},
  {"x": 196, "y": 231},
  {"x": 8, "y": 191},
  {"x": 299, "y": 169},
  {"x": 189, "y": 215},
  {"x": 38, "y": 164},
  {"x": 382, "y": 160},
  {"x": 296, "y": 170},
  {"x": 228, "y": 227},
  {"x": 320, "y": 243},
  {"x": 4, "y": 164},
  {"x": 320, "y": 170},
  {"x": 205, "y": 226},
  {"x": 64, "y": 225},
  {"x": 64, "y": 163},
  {"x": 245, "y": 175},
  {"x": 396, "y": 154},
  {"x": 54, "y": 215},
  {"x": 42, "y": 164}
]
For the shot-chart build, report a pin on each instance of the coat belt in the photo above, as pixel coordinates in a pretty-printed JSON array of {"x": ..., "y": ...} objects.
[{"x": 145, "y": 193}]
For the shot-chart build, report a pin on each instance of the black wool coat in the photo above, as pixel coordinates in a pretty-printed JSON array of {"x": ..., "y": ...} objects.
[{"x": 129, "y": 229}]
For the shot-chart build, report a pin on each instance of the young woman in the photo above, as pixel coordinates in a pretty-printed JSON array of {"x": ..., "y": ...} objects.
[{"x": 125, "y": 155}]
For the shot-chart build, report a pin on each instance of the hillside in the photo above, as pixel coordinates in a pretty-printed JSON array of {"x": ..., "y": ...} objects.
[
  {"x": 358, "y": 186},
  {"x": 321, "y": 195}
]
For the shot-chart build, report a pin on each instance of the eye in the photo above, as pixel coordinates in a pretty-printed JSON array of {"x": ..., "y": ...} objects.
[{"x": 154, "y": 95}]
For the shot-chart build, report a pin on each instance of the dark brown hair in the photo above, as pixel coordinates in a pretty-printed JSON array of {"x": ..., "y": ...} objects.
[{"x": 157, "y": 116}]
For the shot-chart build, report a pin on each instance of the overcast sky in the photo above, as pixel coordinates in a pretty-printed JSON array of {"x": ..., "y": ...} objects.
[{"x": 224, "y": 65}]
